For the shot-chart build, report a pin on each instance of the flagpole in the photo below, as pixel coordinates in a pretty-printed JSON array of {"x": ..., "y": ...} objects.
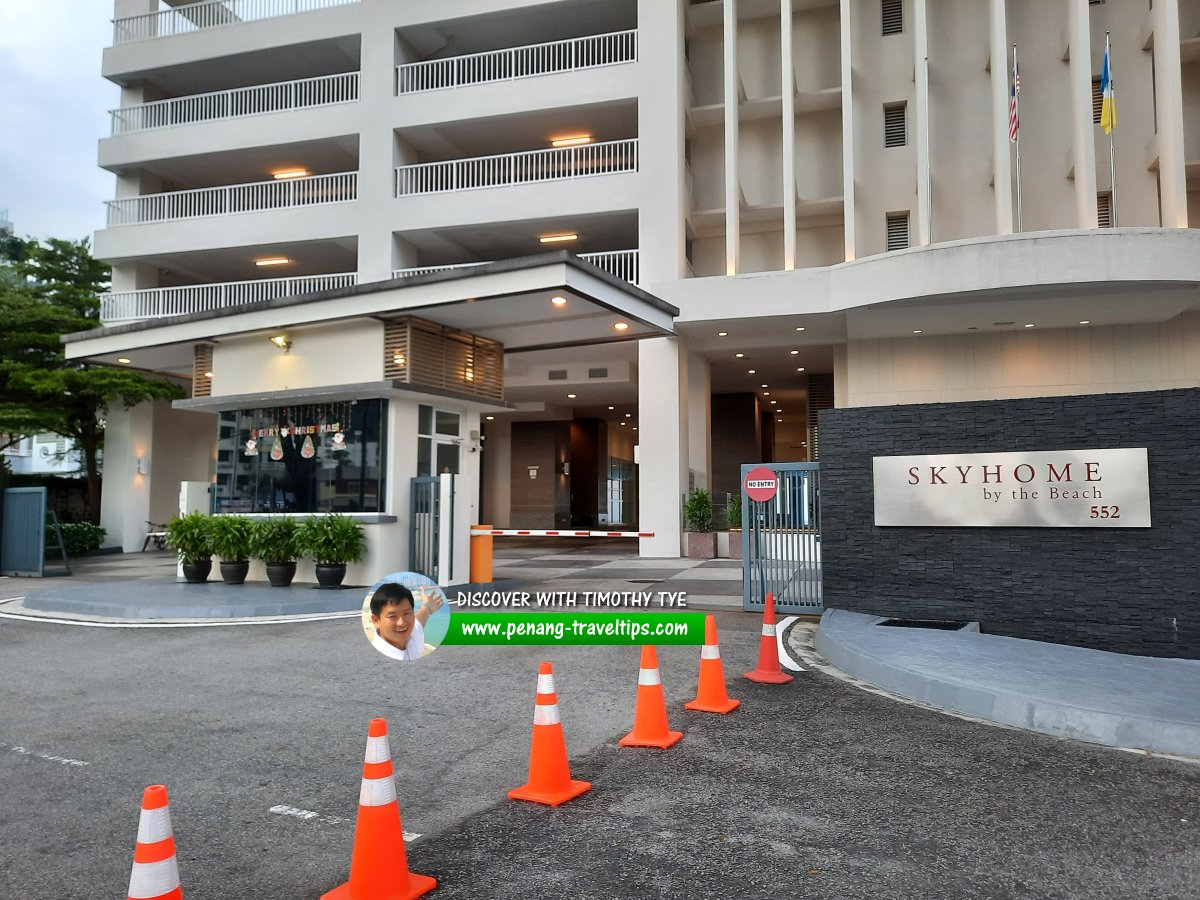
[
  {"x": 1017, "y": 104},
  {"x": 1112, "y": 153}
]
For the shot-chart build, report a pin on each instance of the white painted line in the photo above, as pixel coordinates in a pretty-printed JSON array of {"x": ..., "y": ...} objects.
[
  {"x": 785, "y": 658},
  {"x": 12, "y": 600},
  {"x": 309, "y": 815},
  {"x": 49, "y": 757},
  {"x": 273, "y": 621}
]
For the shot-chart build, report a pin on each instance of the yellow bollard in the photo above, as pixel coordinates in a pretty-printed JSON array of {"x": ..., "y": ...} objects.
[{"x": 481, "y": 555}]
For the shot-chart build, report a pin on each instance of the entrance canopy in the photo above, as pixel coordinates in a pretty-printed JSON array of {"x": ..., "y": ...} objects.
[{"x": 548, "y": 301}]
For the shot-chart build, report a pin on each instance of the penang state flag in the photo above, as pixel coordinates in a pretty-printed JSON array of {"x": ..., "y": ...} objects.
[{"x": 1108, "y": 107}]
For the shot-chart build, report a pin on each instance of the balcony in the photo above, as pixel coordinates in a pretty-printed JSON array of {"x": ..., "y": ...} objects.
[
  {"x": 530, "y": 167},
  {"x": 158, "y": 303},
  {"x": 235, "y": 198},
  {"x": 282, "y": 96},
  {"x": 212, "y": 14},
  {"x": 621, "y": 263},
  {"x": 518, "y": 62}
]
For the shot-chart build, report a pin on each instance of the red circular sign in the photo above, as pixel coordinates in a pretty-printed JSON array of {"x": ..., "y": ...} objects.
[{"x": 761, "y": 484}]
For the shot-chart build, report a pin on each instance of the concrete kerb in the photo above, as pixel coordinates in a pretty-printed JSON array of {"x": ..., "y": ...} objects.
[{"x": 949, "y": 671}]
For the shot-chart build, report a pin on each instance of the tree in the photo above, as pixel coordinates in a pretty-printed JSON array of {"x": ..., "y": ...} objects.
[{"x": 40, "y": 390}]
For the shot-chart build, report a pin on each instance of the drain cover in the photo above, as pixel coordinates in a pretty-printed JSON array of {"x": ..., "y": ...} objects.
[{"x": 936, "y": 624}]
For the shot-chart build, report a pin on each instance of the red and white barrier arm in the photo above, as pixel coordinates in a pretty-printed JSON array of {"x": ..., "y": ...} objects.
[{"x": 508, "y": 532}]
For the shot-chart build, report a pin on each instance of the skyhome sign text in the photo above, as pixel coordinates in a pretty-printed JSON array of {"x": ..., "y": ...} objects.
[{"x": 1051, "y": 489}]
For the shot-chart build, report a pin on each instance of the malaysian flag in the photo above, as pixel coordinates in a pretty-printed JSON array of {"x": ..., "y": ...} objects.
[{"x": 1014, "y": 88}]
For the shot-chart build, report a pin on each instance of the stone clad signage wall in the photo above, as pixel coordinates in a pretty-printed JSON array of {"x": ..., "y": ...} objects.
[{"x": 1050, "y": 489}]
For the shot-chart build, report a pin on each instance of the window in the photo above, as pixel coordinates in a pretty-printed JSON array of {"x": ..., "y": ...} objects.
[
  {"x": 1097, "y": 101},
  {"x": 1104, "y": 210},
  {"x": 439, "y": 434},
  {"x": 307, "y": 458},
  {"x": 897, "y": 230},
  {"x": 895, "y": 125},
  {"x": 893, "y": 16}
]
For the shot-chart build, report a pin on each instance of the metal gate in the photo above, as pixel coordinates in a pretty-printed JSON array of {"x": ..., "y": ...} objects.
[
  {"x": 781, "y": 541},
  {"x": 425, "y": 514},
  {"x": 24, "y": 535}
]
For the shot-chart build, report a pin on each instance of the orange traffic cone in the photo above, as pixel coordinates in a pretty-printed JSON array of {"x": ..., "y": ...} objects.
[
  {"x": 650, "y": 715},
  {"x": 768, "y": 671},
  {"x": 155, "y": 874},
  {"x": 711, "y": 695},
  {"x": 549, "y": 776},
  {"x": 378, "y": 867}
]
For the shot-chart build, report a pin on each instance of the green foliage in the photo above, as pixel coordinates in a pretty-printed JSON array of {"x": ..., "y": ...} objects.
[
  {"x": 332, "y": 539},
  {"x": 188, "y": 536},
  {"x": 40, "y": 390},
  {"x": 79, "y": 537},
  {"x": 274, "y": 540},
  {"x": 230, "y": 537},
  {"x": 733, "y": 512},
  {"x": 698, "y": 511}
]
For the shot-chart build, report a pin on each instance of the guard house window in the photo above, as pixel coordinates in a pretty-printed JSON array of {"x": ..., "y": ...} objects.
[
  {"x": 897, "y": 230},
  {"x": 895, "y": 125},
  {"x": 439, "y": 437},
  {"x": 893, "y": 16},
  {"x": 301, "y": 458}
]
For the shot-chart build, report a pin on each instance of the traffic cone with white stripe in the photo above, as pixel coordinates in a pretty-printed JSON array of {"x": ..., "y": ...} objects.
[
  {"x": 155, "y": 874},
  {"x": 768, "y": 671},
  {"x": 650, "y": 715},
  {"x": 550, "y": 779},
  {"x": 378, "y": 866},
  {"x": 711, "y": 695}
]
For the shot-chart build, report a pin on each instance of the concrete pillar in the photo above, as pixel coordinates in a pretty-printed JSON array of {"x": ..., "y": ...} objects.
[
  {"x": 662, "y": 444},
  {"x": 847, "y": 131},
  {"x": 1001, "y": 55},
  {"x": 788, "y": 89},
  {"x": 1169, "y": 113},
  {"x": 699, "y": 405},
  {"x": 376, "y": 155},
  {"x": 1083, "y": 136},
  {"x": 921, "y": 64},
  {"x": 497, "y": 466},
  {"x": 733, "y": 187}
]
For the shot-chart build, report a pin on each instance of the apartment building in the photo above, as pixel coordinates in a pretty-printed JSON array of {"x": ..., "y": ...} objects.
[{"x": 588, "y": 254}]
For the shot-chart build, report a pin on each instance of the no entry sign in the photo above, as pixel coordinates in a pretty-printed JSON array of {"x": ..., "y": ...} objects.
[{"x": 761, "y": 484}]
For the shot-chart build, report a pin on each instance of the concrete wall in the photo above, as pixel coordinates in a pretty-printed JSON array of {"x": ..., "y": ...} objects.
[
  {"x": 1130, "y": 590},
  {"x": 544, "y": 501}
]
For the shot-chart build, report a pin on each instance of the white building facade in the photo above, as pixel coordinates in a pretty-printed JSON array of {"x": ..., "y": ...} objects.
[{"x": 789, "y": 205}]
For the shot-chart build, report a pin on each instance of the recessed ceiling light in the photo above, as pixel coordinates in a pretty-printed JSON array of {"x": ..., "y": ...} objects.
[
  {"x": 623, "y": 424},
  {"x": 612, "y": 407},
  {"x": 635, "y": 428},
  {"x": 1086, "y": 322},
  {"x": 570, "y": 396},
  {"x": 773, "y": 402},
  {"x": 799, "y": 327},
  {"x": 801, "y": 369},
  {"x": 917, "y": 331},
  {"x": 572, "y": 141},
  {"x": 751, "y": 371},
  {"x": 290, "y": 173},
  {"x": 621, "y": 326},
  {"x": 764, "y": 385},
  {"x": 629, "y": 415},
  {"x": 490, "y": 418},
  {"x": 779, "y": 420},
  {"x": 557, "y": 238},
  {"x": 722, "y": 334},
  {"x": 559, "y": 301},
  {"x": 272, "y": 261},
  {"x": 124, "y": 360},
  {"x": 795, "y": 352},
  {"x": 738, "y": 355},
  {"x": 766, "y": 393},
  {"x": 1028, "y": 324}
]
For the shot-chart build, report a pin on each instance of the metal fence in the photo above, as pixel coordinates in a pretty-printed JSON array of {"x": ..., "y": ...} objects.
[
  {"x": 781, "y": 541},
  {"x": 424, "y": 520}
]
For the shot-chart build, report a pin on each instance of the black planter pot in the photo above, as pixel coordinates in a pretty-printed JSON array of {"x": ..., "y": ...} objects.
[
  {"x": 330, "y": 576},
  {"x": 280, "y": 574},
  {"x": 234, "y": 572},
  {"x": 197, "y": 572}
]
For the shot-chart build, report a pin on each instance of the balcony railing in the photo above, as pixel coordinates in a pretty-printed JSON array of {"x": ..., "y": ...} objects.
[
  {"x": 157, "y": 303},
  {"x": 532, "y": 166},
  {"x": 248, "y": 101},
  {"x": 622, "y": 263},
  {"x": 211, "y": 14},
  {"x": 234, "y": 198},
  {"x": 518, "y": 62}
]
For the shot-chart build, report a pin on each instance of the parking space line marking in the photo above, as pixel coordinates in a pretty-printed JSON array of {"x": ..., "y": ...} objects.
[{"x": 309, "y": 815}]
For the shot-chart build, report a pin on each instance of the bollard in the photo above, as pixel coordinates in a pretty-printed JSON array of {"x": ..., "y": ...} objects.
[{"x": 481, "y": 555}]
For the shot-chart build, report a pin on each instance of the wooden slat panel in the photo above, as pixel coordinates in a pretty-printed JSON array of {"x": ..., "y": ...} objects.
[
  {"x": 424, "y": 353},
  {"x": 202, "y": 363}
]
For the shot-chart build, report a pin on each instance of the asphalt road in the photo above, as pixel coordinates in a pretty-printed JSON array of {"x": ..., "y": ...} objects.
[{"x": 814, "y": 789}]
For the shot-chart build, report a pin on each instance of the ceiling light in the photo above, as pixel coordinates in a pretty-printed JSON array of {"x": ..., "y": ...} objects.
[
  {"x": 623, "y": 424},
  {"x": 559, "y": 301},
  {"x": 764, "y": 385},
  {"x": 766, "y": 393},
  {"x": 635, "y": 428},
  {"x": 722, "y": 334},
  {"x": 621, "y": 326},
  {"x": 1086, "y": 322},
  {"x": 290, "y": 173},
  {"x": 800, "y": 328},
  {"x": 773, "y": 402},
  {"x": 557, "y": 238},
  {"x": 612, "y": 407},
  {"x": 399, "y": 359},
  {"x": 739, "y": 355},
  {"x": 570, "y": 396},
  {"x": 795, "y": 352},
  {"x": 281, "y": 341},
  {"x": 629, "y": 415},
  {"x": 1028, "y": 324},
  {"x": 751, "y": 371},
  {"x": 917, "y": 331},
  {"x": 124, "y": 360},
  {"x": 272, "y": 261},
  {"x": 779, "y": 420},
  {"x": 573, "y": 141},
  {"x": 801, "y": 369},
  {"x": 490, "y": 418}
]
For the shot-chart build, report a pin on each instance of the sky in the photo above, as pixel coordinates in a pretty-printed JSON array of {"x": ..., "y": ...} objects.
[{"x": 54, "y": 109}]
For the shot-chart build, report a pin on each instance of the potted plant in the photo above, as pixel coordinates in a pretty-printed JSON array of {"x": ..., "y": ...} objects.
[
  {"x": 273, "y": 541},
  {"x": 188, "y": 537},
  {"x": 230, "y": 537},
  {"x": 698, "y": 522},
  {"x": 332, "y": 541}
]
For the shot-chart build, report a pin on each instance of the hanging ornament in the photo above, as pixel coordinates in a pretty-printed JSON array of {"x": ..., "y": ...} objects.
[
  {"x": 277, "y": 450},
  {"x": 251, "y": 448},
  {"x": 339, "y": 441},
  {"x": 283, "y": 431},
  {"x": 307, "y": 450}
]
